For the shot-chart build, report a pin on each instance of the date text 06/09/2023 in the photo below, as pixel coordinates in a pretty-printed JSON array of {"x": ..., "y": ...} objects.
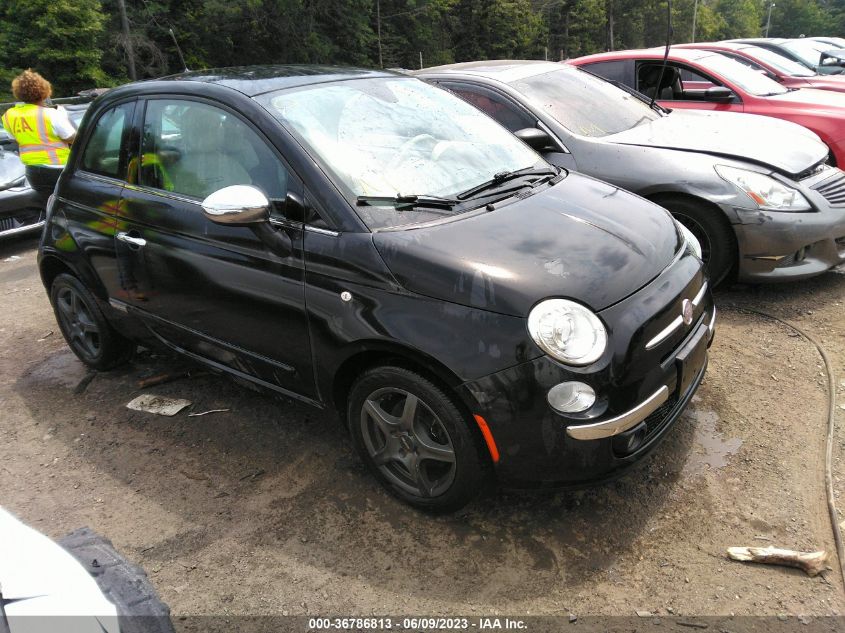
[{"x": 417, "y": 624}]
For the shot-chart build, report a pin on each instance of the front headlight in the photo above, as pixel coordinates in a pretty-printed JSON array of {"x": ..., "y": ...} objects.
[
  {"x": 567, "y": 331},
  {"x": 765, "y": 191},
  {"x": 690, "y": 239}
]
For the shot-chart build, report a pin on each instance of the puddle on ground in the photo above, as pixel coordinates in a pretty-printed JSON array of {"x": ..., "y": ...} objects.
[
  {"x": 62, "y": 369},
  {"x": 711, "y": 449}
]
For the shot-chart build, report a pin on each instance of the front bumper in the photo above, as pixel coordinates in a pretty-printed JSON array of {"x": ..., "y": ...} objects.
[
  {"x": 779, "y": 246},
  {"x": 21, "y": 211},
  {"x": 641, "y": 393}
]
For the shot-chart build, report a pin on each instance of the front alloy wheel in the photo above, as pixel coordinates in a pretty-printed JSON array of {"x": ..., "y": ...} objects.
[
  {"x": 415, "y": 439},
  {"x": 408, "y": 442}
]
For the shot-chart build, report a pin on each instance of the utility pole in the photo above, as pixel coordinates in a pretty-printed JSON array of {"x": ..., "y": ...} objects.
[
  {"x": 124, "y": 21},
  {"x": 378, "y": 30},
  {"x": 769, "y": 21},
  {"x": 694, "y": 17}
]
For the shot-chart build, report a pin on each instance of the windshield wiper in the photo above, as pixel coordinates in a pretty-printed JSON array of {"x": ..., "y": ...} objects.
[
  {"x": 406, "y": 201},
  {"x": 506, "y": 176}
]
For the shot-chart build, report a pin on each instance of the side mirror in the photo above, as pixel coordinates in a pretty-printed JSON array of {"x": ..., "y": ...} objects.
[
  {"x": 718, "y": 94},
  {"x": 237, "y": 205},
  {"x": 534, "y": 138}
]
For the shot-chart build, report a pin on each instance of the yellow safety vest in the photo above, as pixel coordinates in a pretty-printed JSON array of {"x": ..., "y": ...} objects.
[{"x": 32, "y": 129}]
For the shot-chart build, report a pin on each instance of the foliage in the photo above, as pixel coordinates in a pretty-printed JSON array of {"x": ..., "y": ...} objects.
[
  {"x": 58, "y": 38},
  {"x": 79, "y": 43}
]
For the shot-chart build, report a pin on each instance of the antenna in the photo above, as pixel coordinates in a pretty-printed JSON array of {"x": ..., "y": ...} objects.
[
  {"x": 178, "y": 50},
  {"x": 666, "y": 54}
]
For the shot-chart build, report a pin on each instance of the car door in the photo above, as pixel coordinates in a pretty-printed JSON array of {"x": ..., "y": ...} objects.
[
  {"x": 509, "y": 114},
  {"x": 91, "y": 198},
  {"x": 226, "y": 294},
  {"x": 689, "y": 94}
]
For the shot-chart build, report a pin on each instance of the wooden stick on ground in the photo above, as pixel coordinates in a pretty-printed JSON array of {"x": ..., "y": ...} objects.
[{"x": 812, "y": 563}]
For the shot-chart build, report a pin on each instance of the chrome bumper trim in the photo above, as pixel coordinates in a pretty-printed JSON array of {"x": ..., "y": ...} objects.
[
  {"x": 700, "y": 296},
  {"x": 677, "y": 322},
  {"x": 620, "y": 423},
  {"x": 22, "y": 229},
  {"x": 665, "y": 333},
  {"x": 712, "y": 326}
]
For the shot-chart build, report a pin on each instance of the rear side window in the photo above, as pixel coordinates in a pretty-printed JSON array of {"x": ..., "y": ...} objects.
[
  {"x": 105, "y": 152},
  {"x": 491, "y": 103},
  {"x": 612, "y": 71},
  {"x": 195, "y": 149}
]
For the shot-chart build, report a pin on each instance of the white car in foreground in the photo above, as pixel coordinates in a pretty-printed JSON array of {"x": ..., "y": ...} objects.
[{"x": 47, "y": 587}]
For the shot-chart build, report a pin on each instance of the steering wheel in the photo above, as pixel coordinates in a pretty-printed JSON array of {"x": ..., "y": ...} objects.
[{"x": 407, "y": 146}]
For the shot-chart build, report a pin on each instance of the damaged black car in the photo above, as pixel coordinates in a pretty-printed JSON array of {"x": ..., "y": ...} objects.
[{"x": 366, "y": 242}]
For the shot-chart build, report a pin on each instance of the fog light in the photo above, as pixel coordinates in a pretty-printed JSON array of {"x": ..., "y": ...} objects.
[{"x": 571, "y": 397}]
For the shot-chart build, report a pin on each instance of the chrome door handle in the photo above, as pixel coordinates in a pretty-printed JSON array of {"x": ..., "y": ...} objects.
[{"x": 135, "y": 241}]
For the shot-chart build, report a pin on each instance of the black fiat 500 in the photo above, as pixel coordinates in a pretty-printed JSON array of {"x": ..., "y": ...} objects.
[{"x": 367, "y": 242}]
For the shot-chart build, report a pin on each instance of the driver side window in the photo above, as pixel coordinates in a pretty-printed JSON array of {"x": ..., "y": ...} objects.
[{"x": 195, "y": 149}]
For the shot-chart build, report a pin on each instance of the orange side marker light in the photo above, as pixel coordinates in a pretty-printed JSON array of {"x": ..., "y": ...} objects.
[{"x": 488, "y": 437}]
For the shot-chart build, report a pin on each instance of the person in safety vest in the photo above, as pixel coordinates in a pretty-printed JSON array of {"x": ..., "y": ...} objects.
[{"x": 44, "y": 134}]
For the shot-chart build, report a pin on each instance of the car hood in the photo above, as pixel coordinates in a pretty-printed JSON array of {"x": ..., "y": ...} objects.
[
  {"x": 826, "y": 82},
  {"x": 780, "y": 145},
  {"x": 581, "y": 239},
  {"x": 811, "y": 99}
]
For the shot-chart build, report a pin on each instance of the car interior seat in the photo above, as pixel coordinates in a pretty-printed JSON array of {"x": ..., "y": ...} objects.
[
  {"x": 205, "y": 166},
  {"x": 670, "y": 84}
]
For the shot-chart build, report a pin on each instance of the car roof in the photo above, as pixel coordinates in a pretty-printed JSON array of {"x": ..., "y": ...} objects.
[
  {"x": 255, "y": 80},
  {"x": 760, "y": 40},
  {"x": 504, "y": 70},
  {"x": 725, "y": 46},
  {"x": 684, "y": 54}
]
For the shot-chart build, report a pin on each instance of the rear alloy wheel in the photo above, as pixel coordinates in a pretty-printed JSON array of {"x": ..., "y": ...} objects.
[
  {"x": 415, "y": 440},
  {"x": 718, "y": 243},
  {"x": 85, "y": 328}
]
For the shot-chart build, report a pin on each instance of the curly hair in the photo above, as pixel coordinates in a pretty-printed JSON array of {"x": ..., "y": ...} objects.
[{"x": 31, "y": 87}]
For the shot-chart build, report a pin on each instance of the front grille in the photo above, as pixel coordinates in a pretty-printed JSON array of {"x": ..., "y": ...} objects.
[
  {"x": 16, "y": 222},
  {"x": 657, "y": 420},
  {"x": 833, "y": 189}
]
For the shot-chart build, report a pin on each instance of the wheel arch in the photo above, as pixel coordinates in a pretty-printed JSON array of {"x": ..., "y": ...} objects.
[
  {"x": 51, "y": 266},
  {"x": 666, "y": 197},
  {"x": 369, "y": 354}
]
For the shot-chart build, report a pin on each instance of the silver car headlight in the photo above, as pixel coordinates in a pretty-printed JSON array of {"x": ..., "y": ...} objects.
[
  {"x": 764, "y": 190},
  {"x": 690, "y": 239},
  {"x": 567, "y": 331}
]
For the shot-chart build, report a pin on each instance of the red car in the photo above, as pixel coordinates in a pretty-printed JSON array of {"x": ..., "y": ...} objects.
[
  {"x": 775, "y": 66},
  {"x": 706, "y": 80}
]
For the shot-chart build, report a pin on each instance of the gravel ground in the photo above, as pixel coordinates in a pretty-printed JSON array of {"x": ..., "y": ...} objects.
[{"x": 264, "y": 509}]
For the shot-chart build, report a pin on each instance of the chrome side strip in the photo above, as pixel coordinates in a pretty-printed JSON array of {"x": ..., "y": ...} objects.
[
  {"x": 22, "y": 229},
  {"x": 665, "y": 333},
  {"x": 620, "y": 423}
]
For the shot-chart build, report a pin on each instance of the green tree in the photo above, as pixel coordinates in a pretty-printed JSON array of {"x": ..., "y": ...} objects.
[
  {"x": 58, "y": 38},
  {"x": 794, "y": 18},
  {"x": 739, "y": 18}
]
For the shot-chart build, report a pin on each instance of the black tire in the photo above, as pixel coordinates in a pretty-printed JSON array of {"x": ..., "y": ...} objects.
[
  {"x": 419, "y": 442},
  {"x": 707, "y": 223},
  {"x": 123, "y": 583},
  {"x": 87, "y": 332}
]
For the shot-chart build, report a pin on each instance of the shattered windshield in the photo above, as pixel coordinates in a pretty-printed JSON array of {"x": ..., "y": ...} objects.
[
  {"x": 584, "y": 104},
  {"x": 11, "y": 168},
  {"x": 389, "y": 137}
]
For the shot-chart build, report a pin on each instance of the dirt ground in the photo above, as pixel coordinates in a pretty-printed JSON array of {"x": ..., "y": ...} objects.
[{"x": 264, "y": 509}]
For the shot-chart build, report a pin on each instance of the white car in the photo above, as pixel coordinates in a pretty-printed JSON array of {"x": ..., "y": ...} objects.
[{"x": 47, "y": 587}]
